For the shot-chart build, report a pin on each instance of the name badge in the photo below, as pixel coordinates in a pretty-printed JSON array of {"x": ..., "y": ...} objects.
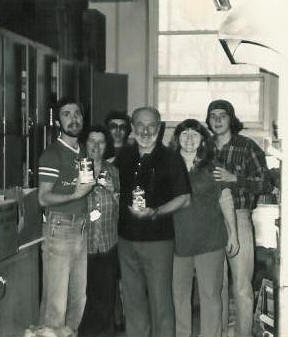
[{"x": 95, "y": 215}]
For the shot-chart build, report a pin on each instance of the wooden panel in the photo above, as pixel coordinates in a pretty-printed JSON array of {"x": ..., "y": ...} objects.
[
  {"x": 47, "y": 86},
  {"x": 59, "y": 25},
  {"x": 68, "y": 79},
  {"x": 31, "y": 130},
  {"x": 1, "y": 115},
  {"x": 20, "y": 306},
  {"x": 14, "y": 153},
  {"x": 32, "y": 212},
  {"x": 109, "y": 93},
  {"x": 8, "y": 228},
  {"x": 85, "y": 91},
  {"x": 18, "y": 16},
  {"x": 14, "y": 54},
  {"x": 94, "y": 38},
  {"x": 13, "y": 62},
  {"x": 55, "y": 23}
]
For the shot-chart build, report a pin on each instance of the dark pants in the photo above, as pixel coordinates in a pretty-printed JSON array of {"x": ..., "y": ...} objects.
[
  {"x": 101, "y": 284},
  {"x": 146, "y": 270}
]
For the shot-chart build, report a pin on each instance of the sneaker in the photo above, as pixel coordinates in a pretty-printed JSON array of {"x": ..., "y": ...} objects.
[{"x": 45, "y": 332}]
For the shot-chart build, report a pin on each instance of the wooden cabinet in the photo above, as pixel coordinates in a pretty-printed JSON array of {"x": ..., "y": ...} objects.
[
  {"x": 55, "y": 23},
  {"x": 109, "y": 92},
  {"x": 30, "y": 85},
  {"x": 94, "y": 38},
  {"x": 19, "y": 302}
]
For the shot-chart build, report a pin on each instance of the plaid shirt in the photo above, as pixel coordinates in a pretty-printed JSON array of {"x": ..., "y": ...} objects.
[
  {"x": 102, "y": 233},
  {"x": 244, "y": 158}
]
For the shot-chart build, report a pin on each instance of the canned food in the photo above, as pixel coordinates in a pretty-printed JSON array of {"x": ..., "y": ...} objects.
[
  {"x": 102, "y": 178},
  {"x": 86, "y": 171},
  {"x": 138, "y": 198}
]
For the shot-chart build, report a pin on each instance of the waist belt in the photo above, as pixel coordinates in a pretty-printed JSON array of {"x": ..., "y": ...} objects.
[{"x": 66, "y": 216}]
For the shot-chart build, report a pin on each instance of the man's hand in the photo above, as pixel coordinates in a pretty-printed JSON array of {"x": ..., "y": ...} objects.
[
  {"x": 232, "y": 247},
  {"x": 82, "y": 189},
  {"x": 221, "y": 174},
  {"x": 143, "y": 213}
]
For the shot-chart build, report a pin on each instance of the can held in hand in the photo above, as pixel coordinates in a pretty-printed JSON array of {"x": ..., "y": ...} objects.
[
  {"x": 102, "y": 178},
  {"x": 138, "y": 198},
  {"x": 86, "y": 171}
]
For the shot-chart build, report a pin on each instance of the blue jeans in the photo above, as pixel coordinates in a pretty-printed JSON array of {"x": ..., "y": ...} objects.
[
  {"x": 146, "y": 271},
  {"x": 209, "y": 271},
  {"x": 242, "y": 268},
  {"x": 64, "y": 254}
]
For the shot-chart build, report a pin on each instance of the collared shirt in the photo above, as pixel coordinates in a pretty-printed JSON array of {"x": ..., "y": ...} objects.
[
  {"x": 163, "y": 176},
  {"x": 244, "y": 158},
  {"x": 102, "y": 233},
  {"x": 200, "y": 227}
]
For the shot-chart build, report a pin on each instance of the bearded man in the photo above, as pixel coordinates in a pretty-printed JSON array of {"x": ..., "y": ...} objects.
[
  {"x": 146, "y": 233},
  {"x": 64, "y": 250}
]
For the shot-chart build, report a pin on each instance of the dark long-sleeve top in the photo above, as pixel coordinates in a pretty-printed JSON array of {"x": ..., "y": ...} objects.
[
  {"x": 163, "y": 176},
  {"x": 244, "y": 158}
]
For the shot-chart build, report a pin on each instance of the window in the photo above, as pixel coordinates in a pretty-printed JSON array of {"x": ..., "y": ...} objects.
[
  {"x": 179, "y": 99},
  {"x": 191, "y": 68}
]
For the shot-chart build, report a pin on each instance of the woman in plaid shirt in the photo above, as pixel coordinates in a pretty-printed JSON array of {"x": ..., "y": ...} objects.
[{"x": 103, "y": 205}]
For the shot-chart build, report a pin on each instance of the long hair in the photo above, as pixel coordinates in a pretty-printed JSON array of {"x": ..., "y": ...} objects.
[
  {"x": 235, "y": 125},
  {"x": 109, "y": 151},
  {"x": 204, "y": 153}
]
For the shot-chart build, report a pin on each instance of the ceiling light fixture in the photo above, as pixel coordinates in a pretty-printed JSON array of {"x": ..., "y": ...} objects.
[{"x": 222, "y": 5}]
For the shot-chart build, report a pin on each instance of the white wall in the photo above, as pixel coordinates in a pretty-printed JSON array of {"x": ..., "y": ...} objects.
[{"x": 126, "y": 45}]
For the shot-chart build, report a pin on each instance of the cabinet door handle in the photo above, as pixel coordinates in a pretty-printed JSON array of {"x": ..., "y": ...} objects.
[{"x": 3, "y": 284}]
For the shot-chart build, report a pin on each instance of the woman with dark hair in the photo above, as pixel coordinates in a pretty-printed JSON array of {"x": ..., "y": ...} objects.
[
  {"x": 103, "y": 206},
  {"x": 202, "y": 231}
]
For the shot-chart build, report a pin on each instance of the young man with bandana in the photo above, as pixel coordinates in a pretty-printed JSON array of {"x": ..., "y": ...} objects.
[{"x": 241, "y": 163}]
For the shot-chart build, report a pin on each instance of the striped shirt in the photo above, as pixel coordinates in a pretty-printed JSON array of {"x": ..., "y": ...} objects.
[
  {"x": 102, "y": 232},
  {"x": 59, "y": 165},
  {"x": 244, "y": 158}
]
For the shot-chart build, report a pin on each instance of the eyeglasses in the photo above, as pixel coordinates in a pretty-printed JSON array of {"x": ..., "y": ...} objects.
[
  {"x": 151, "y": 128},
  {"x": 119, "y": 127}
]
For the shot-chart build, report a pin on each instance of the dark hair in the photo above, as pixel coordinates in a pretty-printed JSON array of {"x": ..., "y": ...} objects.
[
  {"x": 117, "y": 114},
  {"x": 235, "y": 125},
  {"x": 204, "y": 152},
  {"x": 64, "y": 101},
  {"x": 109, "y": 151},
  {"x": 146, "y": 108}
]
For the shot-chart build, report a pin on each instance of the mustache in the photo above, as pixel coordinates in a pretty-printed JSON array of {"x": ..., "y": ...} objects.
[{"x": 72, "y": 124}]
